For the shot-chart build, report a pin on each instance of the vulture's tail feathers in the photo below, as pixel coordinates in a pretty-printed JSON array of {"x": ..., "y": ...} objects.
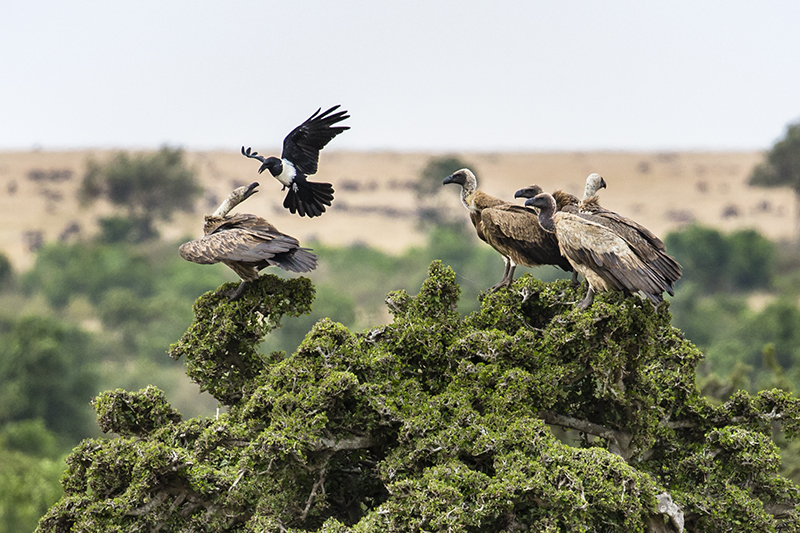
[{"x": 300, "y": 260}]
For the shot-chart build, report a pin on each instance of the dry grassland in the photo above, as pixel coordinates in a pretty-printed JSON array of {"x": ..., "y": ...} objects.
[{"x": 375, "y": 201}]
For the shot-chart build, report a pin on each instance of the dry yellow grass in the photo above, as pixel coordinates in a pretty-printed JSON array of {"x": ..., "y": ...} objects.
[{"x": 375, "y": 204}]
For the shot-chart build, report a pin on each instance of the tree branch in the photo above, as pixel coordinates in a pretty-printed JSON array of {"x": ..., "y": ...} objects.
[
  {"x": 618, "y": 441},
  {"x": 353, "y": 443},
  {"x": 320, "y": 483}
]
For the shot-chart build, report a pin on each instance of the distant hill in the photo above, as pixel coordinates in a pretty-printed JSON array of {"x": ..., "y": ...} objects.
[{"x": 375, "y": 201}]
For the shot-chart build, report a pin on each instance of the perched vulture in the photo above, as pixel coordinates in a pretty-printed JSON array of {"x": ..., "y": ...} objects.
[
  {"x": 594, "y": 182},
  {"x": 512, "y": 230},
  {"x": 564, "y": 202},
  {"x": 246, "y": 243},
  {"x": 300, "y": 158},
  {"x": 641, "y": 240},
  {"x": 563, "y": 199},
  {"x": 604, "y": 258}
]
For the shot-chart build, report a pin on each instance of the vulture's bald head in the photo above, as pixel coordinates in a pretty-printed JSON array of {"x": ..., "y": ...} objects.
[
  {"x": 594, "y": 183},
  {"x": 528, "y": 192},
  {"x": 463, "y": 177},
  {"x": 544, "y": 202}
]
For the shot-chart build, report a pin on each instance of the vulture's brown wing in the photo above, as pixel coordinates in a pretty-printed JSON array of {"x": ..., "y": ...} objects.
[
  {"x": 565, "y": 201},
  {"x": 237, "y": 244},
  {"x": 643, "y": 242},
  {"x": 245, "y": 220},
  {"x": 607, "y": 254},
  {"x": 514, "y": 231},
  {"x": 475, "y": 218},
  {"x": 621, "y": 223}
]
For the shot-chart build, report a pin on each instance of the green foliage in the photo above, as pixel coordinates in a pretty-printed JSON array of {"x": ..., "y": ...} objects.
[
  {"x": 437, "y": 168},
  {"x": 143, "y": 294},
  {"x": 437, "y": 422},
  {"x": 30, "y": 467},
  {"x": 28, "y": 486},
  {"x": 48, "y": 372},
  {"x": 63, "y": 271},
  {"x": 428, "y": 188},
  {"x": 134, "y": 413},
  {"x": 6, "y": 270},
  {"x": 148, "y": 186},
  {"x": 751, "y": 261},
  {"x": 29, "y": 436},
  {"x": 714, "y": 262},
  {"x": 223, "y": 359},
  {"x": 118, "y": 229},
  {"x": 782, "y": 167}
]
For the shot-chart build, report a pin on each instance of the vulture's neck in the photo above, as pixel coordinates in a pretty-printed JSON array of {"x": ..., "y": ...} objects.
[
  {"x": 230, "y": 202},
  {"x": 546, "y": 220}
]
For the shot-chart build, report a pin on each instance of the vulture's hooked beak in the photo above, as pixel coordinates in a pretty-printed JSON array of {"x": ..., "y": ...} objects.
[
  {"x": 539, "y": 201},
  {"x": 528, "y": 192},
  {"x": 251, "y": 190}
]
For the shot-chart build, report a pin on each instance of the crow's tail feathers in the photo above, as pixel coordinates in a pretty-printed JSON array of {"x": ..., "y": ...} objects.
[{"x": 308, "y": 199}]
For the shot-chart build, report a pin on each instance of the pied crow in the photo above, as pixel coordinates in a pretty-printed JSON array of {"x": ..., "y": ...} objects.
[{"x": 300, "y": 158}]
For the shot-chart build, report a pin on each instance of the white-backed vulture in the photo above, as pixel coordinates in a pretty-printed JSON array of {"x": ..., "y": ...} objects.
[
  {"x": 246, "y": 243},
  {"x": 300, "y": 158},
  {"x": 512, "y": 230},
  {"x": 594, "y": 182},
  {"x": 564, "y": 200},
  {"x": 604, "y": 258},
  {"x": 642, "y": 241}
]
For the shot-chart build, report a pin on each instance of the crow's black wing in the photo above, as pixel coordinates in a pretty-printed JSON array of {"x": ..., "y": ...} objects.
[{"x": 303, "y": 144}]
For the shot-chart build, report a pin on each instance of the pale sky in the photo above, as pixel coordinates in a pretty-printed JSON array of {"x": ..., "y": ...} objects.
[{"x": 423, "y": 75}]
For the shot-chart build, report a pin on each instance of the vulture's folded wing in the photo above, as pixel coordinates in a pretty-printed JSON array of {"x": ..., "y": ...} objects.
[
  {"x": 607, "y": 254},
  {"x": 514, "y": 229},
  {"x": 642, "y": 241},
  {"x": 238, "y": 244}
]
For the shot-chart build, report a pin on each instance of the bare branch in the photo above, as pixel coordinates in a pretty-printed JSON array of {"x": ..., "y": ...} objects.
[
  {"x": 353, "y": 443},
  {"x": 618, "y": 441},
  {"x": 320, "y": 483}
]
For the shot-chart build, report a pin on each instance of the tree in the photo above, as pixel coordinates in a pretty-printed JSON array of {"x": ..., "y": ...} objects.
[
  {"x": 148, "y": 186},
  {"x": 429, "y": 186},
  {"x": 436, "y": 422},
  {"x": 6, "y": 271},
  {"x": 49, "y": 372},
  {"x": 714, "y": 262},
  {"x": 782, "y": 168},
  {"x": 30, "y": 466}
]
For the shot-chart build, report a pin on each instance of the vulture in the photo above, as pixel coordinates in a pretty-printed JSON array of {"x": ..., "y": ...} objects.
[
  {"x": 300, "y": 158},
  {"x": 604, "y": 258},
  {"x": 594, "y": 182},
  {"x": 564, "y": 202},
  {"x": 641, "y": 240},
  {"x": 246, "y": 243},
  {"x": 512, "y": 230},
  {"x": 563, "y": 199}
]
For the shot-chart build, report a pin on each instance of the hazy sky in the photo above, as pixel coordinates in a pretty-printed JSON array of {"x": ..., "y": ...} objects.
[{"x": 422, "y": 75}]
